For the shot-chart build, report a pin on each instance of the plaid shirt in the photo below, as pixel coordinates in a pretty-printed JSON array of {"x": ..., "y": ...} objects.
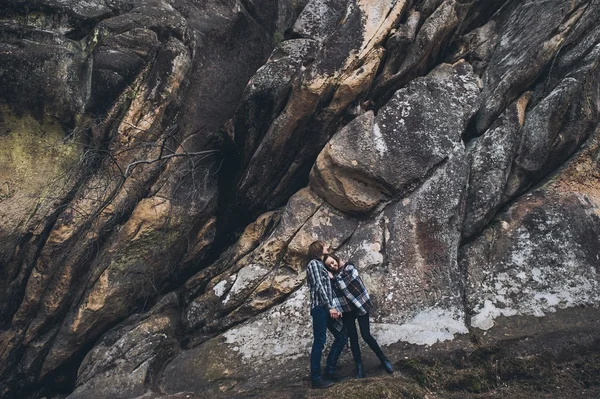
[
  {"x": 350, "y": 291},
  {"x": 321, "y": 293}
]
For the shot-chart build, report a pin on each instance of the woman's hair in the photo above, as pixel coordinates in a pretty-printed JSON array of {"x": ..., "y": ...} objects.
[
  {"x": 315, "y": 250},
  {"x": 332, "y": 257}
]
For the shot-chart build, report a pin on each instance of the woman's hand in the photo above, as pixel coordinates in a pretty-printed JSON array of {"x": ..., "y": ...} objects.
[{"x": 330, "y": 275}]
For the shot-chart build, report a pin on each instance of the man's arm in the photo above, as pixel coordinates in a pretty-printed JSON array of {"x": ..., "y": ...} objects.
[{"x": 314, "y": 276}]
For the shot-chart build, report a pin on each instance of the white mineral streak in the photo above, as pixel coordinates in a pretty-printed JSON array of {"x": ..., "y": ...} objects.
[
  {"x": 285, "y": 331},
  {"x": 380, "y": 144},
  {"x": 426, "y": 328},
  {"x": 219, "y": 289},
  {"x": 565, "y": 282},
  {"x": 558, "y": 292},
  {"x": 484, "y": 319},
  {"x": 378, "y": 17},
  {"x": 246, "y": 276}
]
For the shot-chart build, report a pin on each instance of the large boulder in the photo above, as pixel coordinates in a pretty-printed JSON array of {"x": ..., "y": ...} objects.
[
  {"x": 407, "y": 251},
  {"x": 377, "y": 158},
  {"x": 128, "y": 357},
  {"x": 541, "y": 254},
  {"x": 340, "y": 71}
]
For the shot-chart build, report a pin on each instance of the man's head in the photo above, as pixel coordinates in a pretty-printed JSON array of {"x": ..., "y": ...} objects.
[{"x": 317, "y": 249}]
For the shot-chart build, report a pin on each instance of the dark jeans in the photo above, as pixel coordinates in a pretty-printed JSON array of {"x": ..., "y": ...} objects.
[
  {"x": 349, "y": 319},
  {"x": 322, "y": 322}
]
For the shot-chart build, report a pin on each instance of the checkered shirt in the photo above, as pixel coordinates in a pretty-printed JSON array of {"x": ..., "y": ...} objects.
[
  {"x": 351, "y": 291},
  {"x": 321, "y": 293}
]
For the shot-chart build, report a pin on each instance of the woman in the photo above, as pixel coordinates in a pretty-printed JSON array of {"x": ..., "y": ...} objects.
[{"x": 355, "y": 303}]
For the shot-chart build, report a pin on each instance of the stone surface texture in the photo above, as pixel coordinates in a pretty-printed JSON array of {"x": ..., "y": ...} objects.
[{"x": 164, "y": 165}]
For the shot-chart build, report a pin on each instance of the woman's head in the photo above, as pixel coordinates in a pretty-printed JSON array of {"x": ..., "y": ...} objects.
[
  {"x": 332, "y": 262},
  {"x": 317, "y": 249}
]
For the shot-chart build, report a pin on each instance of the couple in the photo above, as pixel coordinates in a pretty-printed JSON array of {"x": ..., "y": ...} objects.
[{"x": 338, "y": 298}]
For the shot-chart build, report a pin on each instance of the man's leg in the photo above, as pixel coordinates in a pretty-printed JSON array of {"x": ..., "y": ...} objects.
[
  {"x": 319, "y": 317},
  {"x": 339, "y": 342}
]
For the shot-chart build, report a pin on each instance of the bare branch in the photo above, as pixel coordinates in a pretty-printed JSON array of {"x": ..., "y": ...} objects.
[{"x": 150, "y": 161}]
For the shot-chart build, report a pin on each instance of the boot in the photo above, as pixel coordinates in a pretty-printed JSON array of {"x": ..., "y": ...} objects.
[
  {"x": 334, "y": 377},
  {"x": 360, "y": 372},
  {"x": 387, "y": 365},
  {"x": 321, "y": 383}
]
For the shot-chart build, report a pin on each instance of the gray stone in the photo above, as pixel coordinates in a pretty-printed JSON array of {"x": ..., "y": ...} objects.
[
  {"x": 267, "y": 92},
  {"x": 167, "y": 76},
  {"x": 127, "y": 358},
  {"x": 476, "y": 47},
  {"x": 423, "y": 235},
  {"x": 387, "y": 156},
  {"x": 528, "y": 42},
  {"x": 491, "y": 158},
  {"x": 418, "y": 58},
  {"x": 556, "y": 127},
  {"x": 46, "y": 75},
  {"x": 139, "y": 138},
  {"x": 319, "y": 18},
  {"x": 399, "y": 42},
  {"x": 537, "y": 257}
]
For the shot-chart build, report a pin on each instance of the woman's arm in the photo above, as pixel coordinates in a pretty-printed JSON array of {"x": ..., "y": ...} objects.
[{"x": 344, "y": 280}]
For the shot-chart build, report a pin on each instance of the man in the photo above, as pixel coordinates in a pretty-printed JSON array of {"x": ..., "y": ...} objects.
[{"x": 325, "y": 312}]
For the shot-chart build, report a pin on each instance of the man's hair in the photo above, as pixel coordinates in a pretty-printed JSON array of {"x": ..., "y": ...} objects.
[{"x": 315, "y": 250}]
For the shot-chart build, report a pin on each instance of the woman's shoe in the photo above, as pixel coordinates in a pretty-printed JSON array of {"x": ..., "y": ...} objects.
[
  {"x": 387, "y": 365},
  {"x": 360, "y": 371}
]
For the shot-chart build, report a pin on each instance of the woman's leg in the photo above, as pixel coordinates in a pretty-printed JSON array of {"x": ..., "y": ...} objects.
[
  {"x": 349, "y": 320},
  {"x": 365, "y": 332}
]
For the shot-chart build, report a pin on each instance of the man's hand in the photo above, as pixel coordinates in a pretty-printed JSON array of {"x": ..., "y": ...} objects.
[{"x": 334, "y": 313}]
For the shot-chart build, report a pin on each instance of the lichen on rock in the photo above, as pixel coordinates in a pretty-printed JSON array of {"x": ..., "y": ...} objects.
[{"x": 164, "y": 166}]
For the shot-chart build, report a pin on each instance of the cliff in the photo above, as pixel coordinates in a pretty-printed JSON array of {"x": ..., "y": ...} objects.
[{"x": 165, "y": 164}]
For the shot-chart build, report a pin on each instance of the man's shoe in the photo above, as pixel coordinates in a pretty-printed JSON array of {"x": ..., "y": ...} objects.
[
  {"x": 335, "y": 377},
  {"x": 387, "y": 365},
  {"x": 360, "y": 372},
  {"x": 321, "y": 383}
]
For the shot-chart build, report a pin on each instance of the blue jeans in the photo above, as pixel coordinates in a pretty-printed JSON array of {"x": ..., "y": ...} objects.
[{"x": 322, "y": 322}]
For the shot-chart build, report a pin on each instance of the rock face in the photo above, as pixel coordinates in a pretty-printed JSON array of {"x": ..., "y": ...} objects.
[
  {"x": 417, "y": 130},
  {"x": 539, "y": 255},
  {"x": 164, "y": 165}
]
